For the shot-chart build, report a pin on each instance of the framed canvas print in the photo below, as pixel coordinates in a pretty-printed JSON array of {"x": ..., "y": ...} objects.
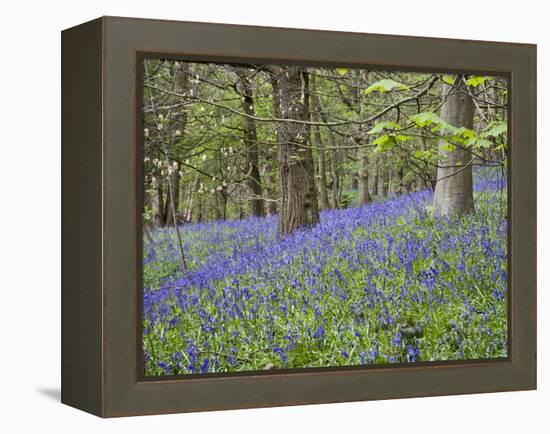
[{"x": 258, "y": 216}]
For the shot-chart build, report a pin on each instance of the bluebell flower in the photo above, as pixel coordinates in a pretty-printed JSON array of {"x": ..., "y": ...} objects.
[
  {"x": 205, "y": 365},
  {"x": 281, "y": 353},
  {"x": 165, "y": 367},
  {"x": 413, "y": 353},
  {"x": 396, "y": 341},
  {"x": 319, "y": 333}
]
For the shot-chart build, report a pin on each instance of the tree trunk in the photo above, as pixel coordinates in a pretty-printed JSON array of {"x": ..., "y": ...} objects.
[
  {"x": 334, "y": 177},
  {"x": 323, "y": 194},
  {"x": 363, "y": 178},
  {"x": 188, "y": 217},
  {"x": 355, "y": 180},
  {"x": 374, "y": 181},
  {"x": 401, "y": 187},
  {"x": 173, "y": 190},
  {"x": 390, "y": 189},
  {"x": 322, "y": 165},
  {"x": 157, "y": 202},
  {"x": 173, "y": 178},
  {"x": 385, "y": 180},
  {"x": 271, "y": 181},
  {"x": 218, "y": 212},
  {"x": 454, "y": 187},
  {"x": 296, "y": 171},
  {"x": 380, "y": 184},
  {"x": 251, "y": 143},
  {"x": 200, "y": 213}
]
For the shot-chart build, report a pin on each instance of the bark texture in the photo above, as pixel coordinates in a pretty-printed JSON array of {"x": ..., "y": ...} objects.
[
  {"x": 363, "y": 178},
  {"x": 318, "y": 140},
  {"x": 453, "y": 190},
  {"x": 296, "y": 171},
  {"x": 173, "y": 195},
  {"x": 157, "y": 202},
  {"x": 251, "y": 143}
]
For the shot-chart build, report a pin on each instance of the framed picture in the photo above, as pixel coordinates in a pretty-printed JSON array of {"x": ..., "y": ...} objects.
[{"x": 260, "y": 216}]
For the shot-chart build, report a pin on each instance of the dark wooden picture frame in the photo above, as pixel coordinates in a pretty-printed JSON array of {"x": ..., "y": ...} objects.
[{"x": 101, "y": 216}]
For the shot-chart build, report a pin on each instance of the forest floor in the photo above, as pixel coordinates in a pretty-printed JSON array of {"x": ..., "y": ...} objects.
[{"x": 382, "y": 283}]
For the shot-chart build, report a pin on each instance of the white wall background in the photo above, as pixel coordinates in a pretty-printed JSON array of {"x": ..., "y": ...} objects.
[{"x": 30, "y": 231}]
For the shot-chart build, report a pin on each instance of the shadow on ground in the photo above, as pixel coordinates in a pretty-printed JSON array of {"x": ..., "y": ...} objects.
[{"x": 53, "y": 393}]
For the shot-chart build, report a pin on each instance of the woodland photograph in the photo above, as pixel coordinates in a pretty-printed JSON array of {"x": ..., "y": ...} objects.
[{"x": 306, "y": 217}]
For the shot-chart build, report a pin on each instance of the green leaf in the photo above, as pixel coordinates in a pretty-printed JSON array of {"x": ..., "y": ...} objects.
[
  {"x": 424, "y": 119},
  {"x": 495, "y": 129},
  {"x": 445, "y": 126},
  {"x": 449, "y": 79},
  {"x": 466, "y": 133},
  {"x": 421, "y": 154},
  {"x": 384, "y": 143},
  {"x": 401, "y": 138},
  {"x": 427, "y": 155},
  {"x": 342, "y": 71},
  {"x": 479, "y": 143},
  {"x": 448, "y": 146},
  {"x": 388, "y": 141},
  {"x": 385, "y": 125},
  {"x": 476, "y": 80},
  {"x": 385, "y": 85}
]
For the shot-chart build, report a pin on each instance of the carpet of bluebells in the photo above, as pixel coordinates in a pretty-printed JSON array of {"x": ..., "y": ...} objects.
[{"x": 382, "y": 283}]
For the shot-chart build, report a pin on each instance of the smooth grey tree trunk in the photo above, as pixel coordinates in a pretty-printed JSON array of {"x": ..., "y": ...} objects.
[
  {"x": 271, "y": 181},
  {"x": 316, "y": 106},
  {"x": 363, "y": 178},
  {"x": 173, "y": 196},
  {"x": 323, "y": 194},
  {"x": 454, "y": 186},
  {"x": 157, "y": 202},
  {"x": 188, "y": 217},
  {"x": 381, "y": 181}
]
